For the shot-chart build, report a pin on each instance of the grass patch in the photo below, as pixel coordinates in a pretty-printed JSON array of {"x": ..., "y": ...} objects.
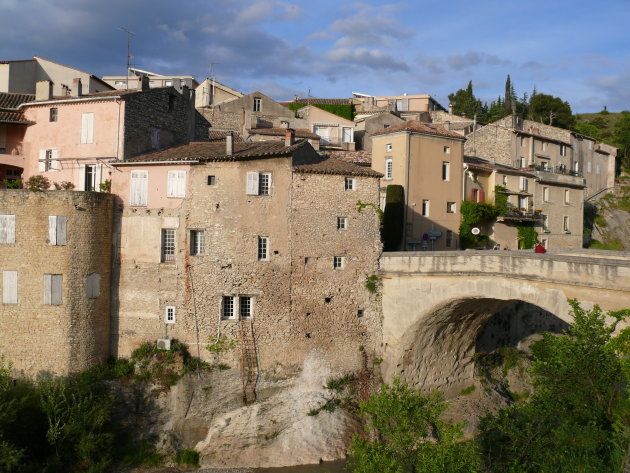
[
  {"x": 469, "y": 390},
  {"x": 187, "y": 457},
  {"x": 611, "y": 245},
  {"x": 143, "y": 454}
]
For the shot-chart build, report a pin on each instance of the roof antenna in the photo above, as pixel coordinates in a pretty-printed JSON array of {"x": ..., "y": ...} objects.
[{"x": 129, "y": 35}]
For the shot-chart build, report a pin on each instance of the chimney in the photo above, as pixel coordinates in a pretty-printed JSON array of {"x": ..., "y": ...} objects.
[
  {"x": 186, "y": 92},
  {"x": 43, "y": 90},
  {"x": 143, "y": 83},
  {"x": 450, "y": 109},
  {"x": 77, "y": 88},
  {"x": 289, "y": 137},
  {"x": 229, "y": 144}
]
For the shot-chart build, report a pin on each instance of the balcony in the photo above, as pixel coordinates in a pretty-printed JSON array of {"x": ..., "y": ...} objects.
[
  {"x": 560, "y": 169},
  {"x": 520, "y": 215}
]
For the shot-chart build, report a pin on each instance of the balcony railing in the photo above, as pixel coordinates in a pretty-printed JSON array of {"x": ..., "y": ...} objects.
[
  {"x": 521, "y": 216},
  {"x": 560, "y": 169}
]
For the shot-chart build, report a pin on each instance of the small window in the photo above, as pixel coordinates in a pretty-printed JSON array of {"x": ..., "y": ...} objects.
[
  {"x": 257, "y": 104},
  {"x": 338, "y": 262},
  {"x": 168, "y": 245},
  {"x": 284, "y": 124},
  {"x": 9, "y": 287},
  {"x": 197, "y": 242},
  {"x": 447, "y": 150},
  {"x": 258, "y": 183},
  {"x": 168, "y": 83},
  {"x": 545, "y": 223},
  {"x": 446, "y": 171},
  {"x": 169, "y": 314},
  {"x": 425, "y": 208},
  {"x": 212, "y": 180},
  {"x": 565, "y": 224},
  {"x": 263, "y": 248},
  {"x": 523, "y": 203},
  {"x": 342, "y": 223},
  {"x": 524, "y": 184},
  {"x": 450, "y": 207},
  {"x": 389, "y": 169},
  {"x": 566, "y": 197},
  {"x": 347, "y": 134},
  {"x": 563, "y": 150},
  {"x": 576, "y": 166},
  {"x": 389, "y": 147},
  {"x": 227, "y": 307},
  {"x": 7, "y": 229},
  {"x": 245, "y": 309},
  {"x": 182, "y": 82},
  {"x": 57, "y": 225},
  {"x": 449, "y": 238},
  {"x": 93, "y": 286},
  {"x": 349, "y": 184},
  {"x": 176, "y": 184},
  {"x": 544, "y": 146},
  {"x": 52, "y": 289},
  {"x": 545, "y": 194},
  {"x": 119, "y": 82},
  {"x": 53, "y": 114},
  {"x": 48, "y": 157},
  {"x": 505, "y": 179}
]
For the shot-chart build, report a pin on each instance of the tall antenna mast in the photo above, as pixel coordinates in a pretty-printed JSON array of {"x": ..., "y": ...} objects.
[{"x": 129, "y": 35}]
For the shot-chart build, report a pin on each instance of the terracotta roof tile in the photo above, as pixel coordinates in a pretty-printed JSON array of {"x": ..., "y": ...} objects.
[
  {"x": 422, "y": 127},
  {"x": 219, "y": 135},
  {"x": 14, "y": 117},
  {"x": 314, "y": 101},
  {"x": 337, "y": 166},
  {"x": 215, "y": 151},
  {"x": 13, "y": 101},
  {"x": 362, "y": 158},
  {"x": 299, "y": 133}
]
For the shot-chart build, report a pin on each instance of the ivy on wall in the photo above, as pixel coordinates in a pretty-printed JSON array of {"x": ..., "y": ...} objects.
[
  {"x": 527, "y": 236},
  {"x": 476, "y": 213},
  {"x": 342, "y": 110}
]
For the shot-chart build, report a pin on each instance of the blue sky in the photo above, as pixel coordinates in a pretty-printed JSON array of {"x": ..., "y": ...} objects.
[{"x": 578, "y": 50}]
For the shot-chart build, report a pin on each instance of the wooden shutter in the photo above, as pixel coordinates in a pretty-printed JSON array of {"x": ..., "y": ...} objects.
[
  {"x": 93, "y": 285},
  {"x": 54, "y": 164},
  {"x": 482, "y": 198},
  {"x": 139, "y": 185},
  {"x": 47, "y": 289},
  {"x": 472, "y": 195},
  {"x": 52, "y": 229},
  {"x": 62, "y": 222},
  {"x": 252, "y": 183},
  {"x": 55, "y": 283},
  {"x": 98, "y": 171},
  {"x": 176, "y": 184},
  {"x": 9, "y": 287},
  {"x": 7, "y": 229},
  {"x": 42, "y": 160},
  {"x": 87, "y": 128},
  {"x": 81, "y": 180}
]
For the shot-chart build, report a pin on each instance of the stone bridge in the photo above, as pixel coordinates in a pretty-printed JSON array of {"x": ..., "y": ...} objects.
[{"x": 440, "y": 308}]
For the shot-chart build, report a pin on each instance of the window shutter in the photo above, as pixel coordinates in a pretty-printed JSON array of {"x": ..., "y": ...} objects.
[
  {"x": 481, "y": 196},
  {"x": 472, "y": 195},
  {"x": 139, "y": 185},
  {"x": 61, "y": 229},
  {"x": 170, "y": 185},
  {"x": 93, "y": 285},
  {"x": 405, "y": 105},
  {"x": 87, "y": 128},
  {"x": 47, "y": 289},
  {"x": 7, "y": 229},
  {"x": 181, "y": 184},
  {"x": 176, "y": 184},
  {"x": 9, "y": 287},
  {"x": 98, "y": 171},
  {"x": 54, "y": 164},
  {"x": 81, "y": 180},
  {"x": 55, "y": 297},
  {"x": 252, "y": 183},
  {"x": 52, "y": 229},
  {"x": 42, "y": 160}
]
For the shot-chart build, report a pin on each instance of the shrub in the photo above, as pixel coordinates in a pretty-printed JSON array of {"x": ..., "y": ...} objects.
[
  {"x": 106, "y": 186},
  {"x": 393, "y": 217},
  {"x": 187, "y": 457},
  {"x": 12, "y": 183},
  {"x": 64, "y": 185},
  {"x": 37, "y": 183}
]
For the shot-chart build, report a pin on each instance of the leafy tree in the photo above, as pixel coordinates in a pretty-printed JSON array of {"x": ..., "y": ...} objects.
[
  {"x": 551, "y": 110},
  {"x": 622, "y": 138},
  {"x": 509, "y": 96},
  {"x": 405, "y": 434},
  {"x": 465, "y": 103},
  {"x": 575, "y": 420},
  {"x": 588, "y": 129}
]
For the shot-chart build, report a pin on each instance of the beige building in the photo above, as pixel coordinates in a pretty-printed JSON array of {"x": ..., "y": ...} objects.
[
  {"x": 155, "y": 80},
  {"x": 410, "y": 106},
  {"x": 334, "y": 131},
  {"x": 211, "y": 92},
  {"x": 427, "y": 161},
  {"x": 366, "y": 124}
]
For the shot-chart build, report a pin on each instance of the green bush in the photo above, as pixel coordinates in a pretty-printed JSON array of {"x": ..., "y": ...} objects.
[
  {"x": 393, "y": 217},
  {"x": 37, "y": 183},
  {"x": 527, "y": 236},
  {"x": 12, "y": 183},
  {"x": 187, "y": 457}
]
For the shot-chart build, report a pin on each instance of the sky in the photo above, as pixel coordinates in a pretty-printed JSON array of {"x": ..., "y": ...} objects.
[{"x": 577, "y": 50}]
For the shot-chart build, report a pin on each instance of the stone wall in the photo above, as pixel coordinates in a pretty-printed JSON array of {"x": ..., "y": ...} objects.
[
  {"x": 38, "y": 338},
  {"x": 493, "y": 142}
]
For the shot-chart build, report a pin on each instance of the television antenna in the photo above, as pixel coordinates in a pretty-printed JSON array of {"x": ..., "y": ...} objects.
[{"x": 129, "y": 56}]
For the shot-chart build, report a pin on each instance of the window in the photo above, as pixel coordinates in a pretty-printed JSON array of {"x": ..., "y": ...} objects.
[
  {"x": 474, "y": 195},
  {"x": 446, "y": 170},
  {"x": 566, "y": 197},
  {"x": 284, "y": 124},
  {"x": 227, "y": 307},
  {"x": 258, "y": 183},
  {"x": 338, "y": 262},
  {"x": 7, "y": 229},
  {"x": 9, "y": 287},
  {"x": 544, "y": 146},
  {"x": 212, "y": 180},
  {"x": 57, "y": 225},
  {"x": 257, "y": 104},
  {"x": 450, "y": 207},
  {"x": 505, "y": 179},
  {"x": 389, "y": 147},
  {"x": 263, "y": 248},
  {"x": 447, "y": 150},
  {"x": 168, "y": 83},
  {"x": 46, "y": 158},
  {"x": 182, "y": 82},
  {"x": 563, "y": 150},
  {"x": 342, "y": 223},
  {"x": 565, "y": 224},
  {"x": 349, "y": 184},
  {"x": 588, "y": 167},
  {"x": 245, "y": 310},
  {"x": 449, "y": 238},
  {"x": 151, "y": 83},
  {"x": 89, "y": 177},
  {"x": 87, "y": 128},
  {"x": 168, "y": 245},
  {"x": 521, "y": 163},
  {"x": 53, "y": 114},
  {"x": 169, "y": 314},
  {"x": 52, "y": 289},
  {"x": 119, "y": 82},
  {"x": 524, "y": 184},
  {"x": 545, "y": 194},
  {"x": 155, "y": 138},
  {"x": 389, "y": 168},
  {"x": 523, "y": 203},
  {"x": 176, "y": 185},
  {"x": 93, "y": 286},
  {"x": 347, "y": 134},
  {"x": 197, "y": 242},
  {"x": 425, "y": 208},
  {"x": 139, "y": 184},
  {"x": 576, "y": 166},
  {"x": 545, "y": 223}
]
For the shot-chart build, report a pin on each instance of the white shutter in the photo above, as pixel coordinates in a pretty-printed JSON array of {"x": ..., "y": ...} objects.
[
  {"x": 181, "y": 184},
  {"x": 139, "y": 185},
  {"x": 81, "y": 182},
  {"x": 98, "y": 171},
  {"x": 9, "y": 287},
  {"x": 252, "y": 183},
  {"x": 176, "y": 186},
  {"x": 54, "y": 164},
  {"x": 55, "y": 283},
  {"x": 61, "y": 229},
  {"x": 52, "y": 229},
  {"x": 87, "y": 128},
  {"x": 47, "y": 289},
  {"x": 42, "y": 160},
  {"x": 7, "y": 229}
]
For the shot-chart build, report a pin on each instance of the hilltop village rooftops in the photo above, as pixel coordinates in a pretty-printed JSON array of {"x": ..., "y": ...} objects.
[
  {"x": 299, "y": 133},
  {"x": 361, "y": 158},
  {"x": 315, "y": 101},
  {"x": 337, "y": 166},
  {"x": 420, "y": 127}
]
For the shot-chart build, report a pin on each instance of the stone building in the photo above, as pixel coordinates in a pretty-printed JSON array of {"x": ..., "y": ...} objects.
[
  {"x": 212, "y": 92},
  {"x": 13, "y": 125},
  {"x": 234, "y": 239},
  {"x": 55, "y": 261},
  {"x": 427, "y": 160},
  {"x": 366, "y": 124},
  {"x": 155, "y": 80}
]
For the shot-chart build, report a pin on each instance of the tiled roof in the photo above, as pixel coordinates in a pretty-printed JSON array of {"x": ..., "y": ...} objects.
[
  {"x": 9, "y": 104},
  {"x": 421, "y": 127},
  {"x": 13, "y": 117},
  {"x": 337, "y": 166},
  {"x": 362, "y": 158},
  {"x": 215, "y": 151},
  {"x": 105, "y": 94},
  {"x": 314, "y": 100},
  {"x": 299, "y": 133},
  {"x": 483, "y": 164},
  {"x": 219, "y": 135}
]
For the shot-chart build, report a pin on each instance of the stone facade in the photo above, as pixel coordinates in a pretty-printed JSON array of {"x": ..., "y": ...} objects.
[{"x": 39, "y": 337}]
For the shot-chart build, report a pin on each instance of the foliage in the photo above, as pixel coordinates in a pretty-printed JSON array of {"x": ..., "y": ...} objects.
[
  {"x": 621, "y": 138},
  {"x": 527, "y": 236},
  {"x": 574, "y": 421},
  {"x": 371, "y": 284},
  {"x": 612, "y": 244},
  {"x": 404, "y": 433},
  {"x": 465, "y": 103},
  {"x": 342, "y": 395},
  {"x": 551, "y": 110},
  {"x": 187, "y": 457},
  {"x": 220, "y": 345},
  {"x": 469, "y": 390},
  {"x": 474, "y": 213},
  {"x": 105, "y": 186},
  {"x": 64, "y": 185},
  {"x": 12, "y": 183},
  {"x": 393, "y": 217},
  {"x": 342, "y": 110},
  {"x": 37, "y": 183},
  {"x": 372, "y": 205},
  {"x": 143, "y": 454}
]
